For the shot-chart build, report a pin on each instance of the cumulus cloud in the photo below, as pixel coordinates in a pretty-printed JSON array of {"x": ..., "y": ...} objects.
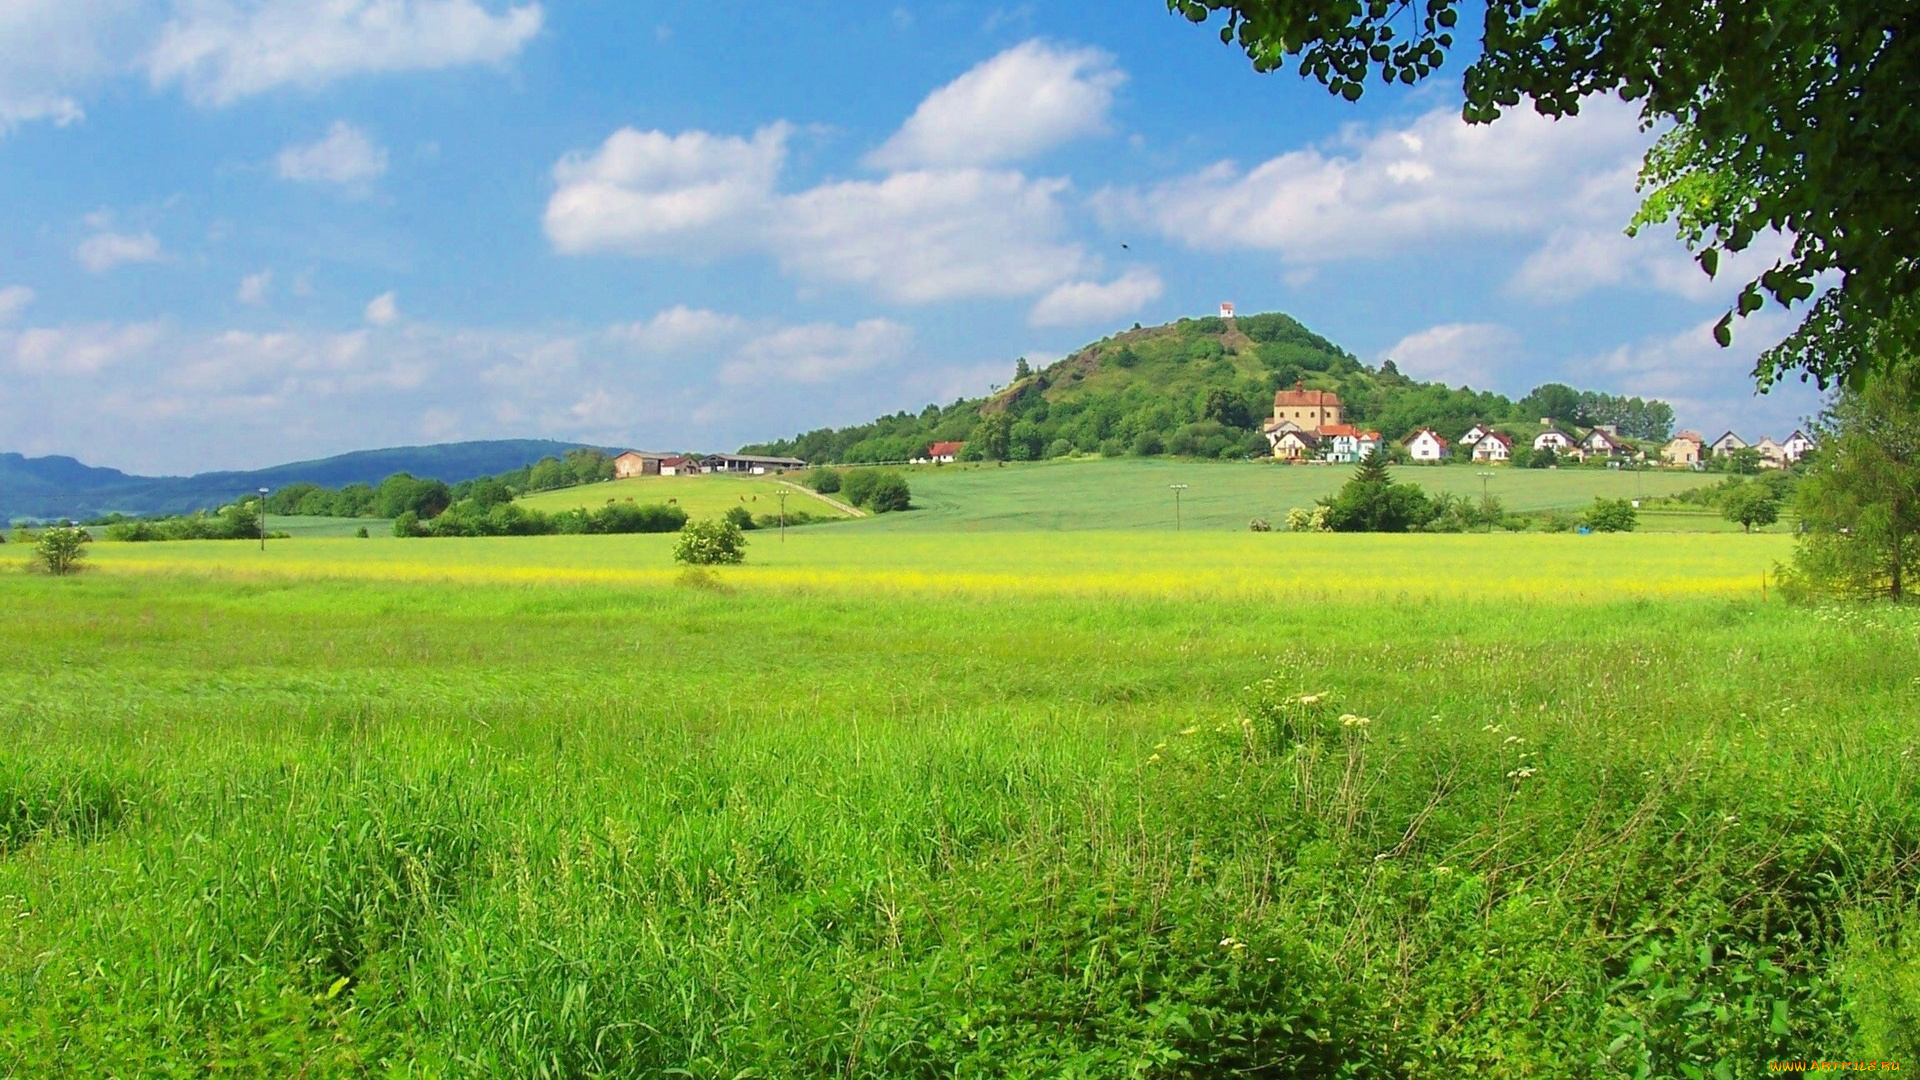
[
  {"x": 14, "y": 300},
  {"x": 679, "y": 329},
  {"x": 1708, "y": 386},
  {"x": 1027, "y": 100},
  {"x": 219, "y": 51},
  {"x": 914, "y": 237},
  {"x": 346, "y": 157},
  {"x": 77, "y": 350},
  {"x": 1078, "y": 302},
  {"x": 253, "y": 288},
  {"x": 648, "y": 193},
  {"x": 817, "y": 353},
  {"x": 383, "y": 310},
  {"x": 1379, "y": 191},
  {"x": 1576, "y": 260},
  {"x": 924, "y": 236},
  {"x": 1480, "y": 355},
  {"x": 107, "y": 249},
  {"x": 56, "y": 51}
]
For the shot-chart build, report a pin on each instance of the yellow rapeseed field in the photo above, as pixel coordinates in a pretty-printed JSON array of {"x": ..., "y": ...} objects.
[{"x": 1279, "y": 565}]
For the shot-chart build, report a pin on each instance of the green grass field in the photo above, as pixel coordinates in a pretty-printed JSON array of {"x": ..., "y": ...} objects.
[
  {"x": 889, "y": 804},
  {"x": 699, "y": 496},
  {"x": 1134, "y": 493}
]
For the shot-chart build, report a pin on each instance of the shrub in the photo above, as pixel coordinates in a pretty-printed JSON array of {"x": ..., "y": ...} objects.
[
  {"x": 361, "y": 532},
  {"x": 407, "y": 524},
  {"x": 1611, "y": 515},
  {"x": 1302, "y": 519},
  {"x": 1260, "y": 525},
  {"x": 59, "y": 550},
  {"x": 1148, "y": 443},
  {"x": 740, "y": 517},
  {"x": 889, "y": 493},
  {"x": 713, "y": 542},
  {"x": 1556, "y": 522},
  {"x": 826, "y": 481}
]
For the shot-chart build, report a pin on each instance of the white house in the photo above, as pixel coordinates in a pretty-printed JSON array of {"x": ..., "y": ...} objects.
[
  {"x": 1493, "y": 446},
  {"x": 1555, "y": 440},
  {"x": 1727, "y": 444},
  {"x": 1772, "y": 454},
  {"x": 1474, "y": 434},
  {"x": 1426, "y": 445},
  {"x": 1602, "y": 443},
  {"x": 1226, "y": 310},
  {"x": 1348, "y": 444},
  {"x": 1294, "y": 444},
  {"x": 1796, "y": 445}
]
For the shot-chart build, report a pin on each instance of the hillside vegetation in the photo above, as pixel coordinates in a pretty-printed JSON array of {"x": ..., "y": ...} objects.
[{"x": 1200, "y": 387}]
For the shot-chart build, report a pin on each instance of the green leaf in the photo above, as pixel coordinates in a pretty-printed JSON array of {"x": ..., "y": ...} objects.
[
  {"x": 1710, "y": 261},
  {"x": 1723, "y": 330},
  {"x": 1779, "y": 1023}
]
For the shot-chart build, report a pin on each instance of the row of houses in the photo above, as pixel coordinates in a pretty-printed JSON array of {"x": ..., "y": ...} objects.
[
  {"x": 640, "y": 463},
  {"x": 1690, "y": 448}
]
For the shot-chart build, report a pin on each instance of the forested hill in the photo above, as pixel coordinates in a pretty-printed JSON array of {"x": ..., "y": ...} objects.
[
  {"x": 1202, "y": 387},
  {"x": 50, "y": 487}
]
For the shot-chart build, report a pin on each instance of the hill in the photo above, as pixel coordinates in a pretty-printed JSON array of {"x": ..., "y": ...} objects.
[
  {"x": 48, "y": 487},
  {"x": 1200, "y": 387}
]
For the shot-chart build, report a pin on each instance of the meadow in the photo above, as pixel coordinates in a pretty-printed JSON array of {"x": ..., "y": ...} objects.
[
  {"x": 889, "y": 805},
  {"x": 699, "y": 496},
  {"x": 1134, "y": 493}
]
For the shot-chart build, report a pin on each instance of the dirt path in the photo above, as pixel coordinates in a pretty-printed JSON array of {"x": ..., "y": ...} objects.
[{"x": 852, "y": 511}]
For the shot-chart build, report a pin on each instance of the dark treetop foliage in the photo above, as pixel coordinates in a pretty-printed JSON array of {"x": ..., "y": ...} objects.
[{"x": 1791, "y": 116}]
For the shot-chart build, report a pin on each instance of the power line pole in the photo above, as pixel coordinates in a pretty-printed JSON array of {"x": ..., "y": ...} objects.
[{"x": 1177, "y": 489}]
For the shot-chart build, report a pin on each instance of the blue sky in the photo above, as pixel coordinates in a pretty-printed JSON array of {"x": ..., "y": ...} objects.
[{"x": 240, "y": 232}]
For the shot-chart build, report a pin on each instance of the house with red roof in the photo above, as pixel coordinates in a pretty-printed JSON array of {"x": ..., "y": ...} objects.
[
  {"x": 1426, "y": 445},
  {"x": 1493, "y": 446}
]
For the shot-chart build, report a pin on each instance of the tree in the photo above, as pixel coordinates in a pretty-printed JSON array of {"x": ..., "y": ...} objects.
[
  {"x": 1611, "y": 515},
  {"x": 1372, "y": 502},
  {"x": 826, "y": 481},
  {"x": 991, "y": 436},
  {"x": 1021, "y": 369},
  {"x": 1554, "y": 401},
  {"x": 1543, "y": 458},
  {"x": 59, "y": 549},
  {"x": 1789, "y": 117},
  {"x": 711, "y": 543},
  {"x": 889, "y": 493},
  {"x": 1860, "y": 502},
  {"x": 1749, "y": 505},
  {"x": 1225, "y": 407}
]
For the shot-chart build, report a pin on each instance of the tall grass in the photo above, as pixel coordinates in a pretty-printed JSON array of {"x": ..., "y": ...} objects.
[{"x": 325, "y": 827}]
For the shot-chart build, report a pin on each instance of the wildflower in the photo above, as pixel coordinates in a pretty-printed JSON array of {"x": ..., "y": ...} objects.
[
  {"x": 1231, "y": 942},
  {"x": 1312, "y": 699},
  {"x": 1522, "y": 773},
  {"x": 1194, "y": 730},
  {"x": 1495, "y": 728},
  {"x": 1443, "y": 870},
  {"x": 1511, "y": 739},
  {"x": 1153, "y": 759},
  {"x": 1350, "y": 720}
]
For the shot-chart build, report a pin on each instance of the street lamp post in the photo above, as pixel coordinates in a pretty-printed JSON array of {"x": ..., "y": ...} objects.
[
  {"x": 263, "y": 519},
  {"x": 1177, "y": 489}
]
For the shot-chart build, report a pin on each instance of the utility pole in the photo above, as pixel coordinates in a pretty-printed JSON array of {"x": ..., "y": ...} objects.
[
  {"x": 1484, "y": 477},
  {"x": 783, "y": 515},
  {"x": 263, "y": 519},
  {"x": 1177, "y": 489}
]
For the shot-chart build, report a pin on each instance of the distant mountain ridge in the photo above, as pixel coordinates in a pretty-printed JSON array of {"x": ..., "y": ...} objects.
[{"x": 60, "y": 486}]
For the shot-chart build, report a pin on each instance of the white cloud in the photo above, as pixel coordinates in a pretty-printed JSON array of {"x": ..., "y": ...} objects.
[
  {"x": 77, "y": 350},
  {"x": 346, "y": 156},
  {"x": 1577, "y": 260},
  {"x": 1708, "y": 386},
  {"x": 105, "y": 250},
  {"x": 253, "y": 287},
  {"x": 1458, "y": 354},
  {"x": 913, "y": 236},
  {"x": 918, "y": 237},
  {"x": 55, "y": 51},
  {"x": 383, "y": 310},
  {"x": 14, "y": 300},
  {"x": 222, "y": 50},
  {"x": 647, "y": 192},
  {"x": 1377, "y": 192},
  {"x": 1027, "y": 100},
  {"x": 1080, "y": 302},
  {"x": 816, "y": 353},
  {"x": 679, "y": 330}
]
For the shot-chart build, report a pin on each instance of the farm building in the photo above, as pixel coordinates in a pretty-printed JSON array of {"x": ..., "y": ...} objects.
[
  {"x": 1685, "y": 449},
  {"x": 945, "y": 453},
  {"x": 1493, "y": 446},
  {"x": 637, "y": 463},
  {"x": 1426, "y": 445},
  {"x": 678, "y": 466},
  {"x": 748, "y": 464}
]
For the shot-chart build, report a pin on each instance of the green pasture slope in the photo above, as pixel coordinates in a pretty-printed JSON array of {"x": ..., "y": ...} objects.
[
  {"x": 512, "y": 808},
  {"x": 1134, "y": 493}
]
